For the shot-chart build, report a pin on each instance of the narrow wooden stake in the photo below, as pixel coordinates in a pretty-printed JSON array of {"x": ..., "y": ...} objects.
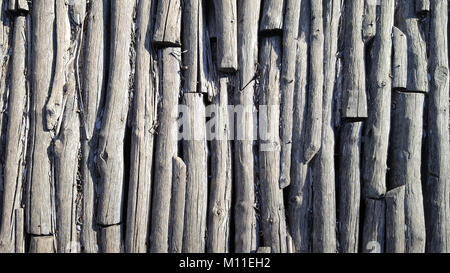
[
  {"x": 272, "y": 16},
  {"x": 190, "y": 38},
  {"x": 176, "y": 224},
  {"x": 226, "y": 27},
  {"x": 395, "y": 220},
  {"x": 369, "y": 24},
  {"x": 41, "y": 244},
  {"x": 19, "y": 230},
  {"x": 373, "y": 236},
  {"x": 111, "y": 239},
  {"x": 168, "y": 24},
  {"x": 399, "y": 60}
]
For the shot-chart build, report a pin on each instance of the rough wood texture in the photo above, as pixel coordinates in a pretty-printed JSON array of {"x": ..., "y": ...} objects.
[
  {"x": 166, "y": 146},
  {"x": 226, "y": 30},
  {"x": 422, "y": 6},
  {"x": 369, "y": 24},
  {"x": 110, "y": 159},
  {"x": 408, "y": 23},
  {"x": 220, "y": 188},
  {"x": 40, "y": 203},
  {"x": 245, "y": 238},
  {"x": 16, "y": 139},
  {"x": 290, "y": 35},
  {"x": 354, "y": 99},
  {"x": 111, "y": 239},
  {"x": 190, "y": 44},
  {"x": 376, "y": 131},
  {"x": 405, "y": 164},
  {"x": 300, "y": 190},
  {"x": 168, "y": 24},
  {"x": 272, "y": 15},
  {"x": 93, "y": 92},
  {"x": 313, "y": 124},
  {"x": 373, "y": 235},
  {"x": 19, "y": 230},
  {"x": 438, "y": 150},
  {"x": 395, "y": 220},
  {"x": 350, "y": 186},
  {"x": 399, "y": 60},
  {"x": 273, "y": 221},
  {"x": 142, "y": 137},
  {"x": 177, "y": 206},
  {"x": 42, "y": 244},
  {"x": 18, "y": 6},
  {"x": 195, "y": 158}
]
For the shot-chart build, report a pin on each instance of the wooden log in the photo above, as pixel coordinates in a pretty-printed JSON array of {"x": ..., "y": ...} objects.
[
  {"x": 40, "y": 192},
  {"x": 168, "y": 24},
  {"x": 19, "y": 230},
  {"x": 77, "y": 11},
  {"x": 376, "y": 130},
  {"x": 349, "y": 186},
  {"x": 110, "y": 160},
  {"x": 18, "y": 6},
  {"x": 177, "y": 206},
  {"x": 93, "y": 92},
  {"x": 206, "y": 50},
  {"x": 324, "y": 200},
  {"x": 166, "y": 146},
  {"x": 54, "y": 107},
  {"x": 438, "y": 150},
  {"x": 395, "y": 220},
  {"x": 142, "y": 138},
  {"x": 190, "y": 44},
  {"x": 41, "y": 244},
  {"x": 16, "y": 137},
  {"x": 290, "y": 35},
  {"x": 111, "y": 239},
  {"x": 66, "y": 149},
  {"x": 313, "y": 124},
  {"x": 422, "y": 7},
  {"x": 408, "y": 23},
  {"x": 300, "y": 189},
  {"x": 195, "y": 158},
  {"x": 399, "y": 60},
  {"x": 354, "y": 98},
  {"x": 272, "y": 207},
  {"x": 405, "y": 163},
  {"x": 264, "y": 249},
  {"x": 369, "y": 24},
  {"x": 272, "y": 16},
  {"x": 226, "y": 30},
  {"x": 373, "y": 233},
  {"x": 219, "y": 211},
  {"x": 245, "y": 238}
]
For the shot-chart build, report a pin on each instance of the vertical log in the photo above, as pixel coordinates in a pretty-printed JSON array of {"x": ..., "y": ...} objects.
[
  {"x": 395, "y": 220},
  {"x": 190, "y": 44},
  {"x": 376, "y": 131},
  {"x": 195, "y": 157},
  {"x": 226, "y": 30},
  {"x": 219, "y": 210},
  {"x": 110, "y": 159},
  {"x": 111, "y": 239},
  {"x": 41, "y": 244},
  {"x": 408, "y": 23},
  {"x": 245, "y": 237},
  {"x": 93, "y": 79},
  {"x": 349, "y": 186},
  {"x": 166, "y": 146},
  {"x": 139, "y": 189},
  {"x": 373, "y": 237},
  {"x": 177, "y": 206},
  {"x": 300, "y": 189},
  {"x": 272, "y": 207},
  {"x": 40, "y": 204},
  {"x": 354, "y": 99},
  {"x": 313, "y": 124},
  {"x": 405, "y": 164},
  {"x": 168, "y": 24},
  {"x": 438, "y": 150},
  {"x": 272, "y": 16},
  {"x": 16, "y": 137},
  {"x": 399, "y": 59},
  {"x": 290, "y": 35},
  {"x": 422, "y": 6},
  {"x": 369, "y": 24},
  {"x": 19, "y": 230}
]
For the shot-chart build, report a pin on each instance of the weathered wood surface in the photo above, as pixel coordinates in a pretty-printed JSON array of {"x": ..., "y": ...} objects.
[
  {"x": 142, "y": 137},
  {"x": 422, "y": 6},
  {"x": 376, "y": 131},
  {"x": 373, "y": 233},
  {"x": 166, "y": 148},
  {"x": 395, "y": 220},
  {"x": 299, "y": 204},
  {"x": 177, "y": 203},
  {"x": 437, "y": 174},
  {"x": 42, "y": 244},
  {"x": 190, "y": 21},
  {"x": 369, "y": 24},
  {"x": 399, "y": 60},
  {"x": 354, "y": 99},
  {"x": 226, "y": 30},
  {"x": 272, "y": 16},
  {"x": 93, "y": 93},
  {"x": 168, "y": 24},
  {"x": 405, "y": 163},
  {"x": 245, "y": 238},
  {"x": 408, "y": 23}
]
